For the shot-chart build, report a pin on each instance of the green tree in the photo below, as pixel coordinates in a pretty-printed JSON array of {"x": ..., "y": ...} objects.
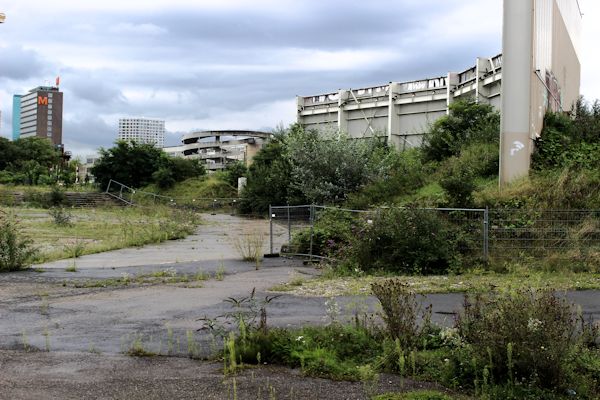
[
  {"x": 269, "y": 178},
  {"x": 327, "y": 168},
  {"x": 35, "y": 148},
  {"x": 234, "y": 171},
  {"x": 129, "y": 163},
  {"x": 467, "y": 123},
  {"x": 8, "y": 153}
]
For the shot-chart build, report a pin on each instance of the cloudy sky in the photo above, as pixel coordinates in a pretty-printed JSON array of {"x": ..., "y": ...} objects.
[{"x": 236, "y": 64}]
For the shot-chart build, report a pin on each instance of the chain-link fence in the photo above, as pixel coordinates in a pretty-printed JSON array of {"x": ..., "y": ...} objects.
[{"x": 482, "y": 234}]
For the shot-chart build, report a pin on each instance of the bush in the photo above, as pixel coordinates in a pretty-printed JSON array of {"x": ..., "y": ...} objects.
[
  {"x": 406, "y": 241},
  {"x": 459, "y": 184},
  {"x": 61, "y": 216},
  {"x": 400, "y": 312},
  {"x": 401, "y": 174},
  {"x": 15, "y": 249},
  {"x": 332, "y": 233},
  {"x": 525, "y": 336},
  {"x": 467, "y": 123},
  {"x": 566, "y": 142}
]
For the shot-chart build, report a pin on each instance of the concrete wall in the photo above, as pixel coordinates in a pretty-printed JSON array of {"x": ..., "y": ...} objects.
[
  {"x": 541, "y": 72},
  {"x": 400, "y": 111}
]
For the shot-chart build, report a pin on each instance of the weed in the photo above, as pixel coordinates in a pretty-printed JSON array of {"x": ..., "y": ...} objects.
[
  {"x": 46, "y": 335},
  {"x": 92, "y": 349},
  {"x": 16, "y": 250},
  {"x": 192, "y": 346},
  {"x": 61, "y": 216},
  {"x": 401, "y": 311},
  {"x": 220, "y": 272},
  {"x": 71, "y": 268},
  {"x": 169, "y": 339},
  {"x": 25, "y": 340},
  {"x": 250, "y": 247},
  {"x": 44, "y": 306},
  {"x": 137, "y": 349},
  {"x": 76, "y": 248}
]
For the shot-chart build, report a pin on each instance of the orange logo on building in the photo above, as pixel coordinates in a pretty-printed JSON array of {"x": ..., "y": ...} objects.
[{"x": 42, "y": 101}]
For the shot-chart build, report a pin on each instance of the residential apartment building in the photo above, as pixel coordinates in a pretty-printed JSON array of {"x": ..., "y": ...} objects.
[{"x": 142, "y": 130}]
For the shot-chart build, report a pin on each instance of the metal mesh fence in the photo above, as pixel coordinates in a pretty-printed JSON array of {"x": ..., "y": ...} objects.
[
  {"x": 540, "y": 234},
  {"x": 503, "y": 235}
]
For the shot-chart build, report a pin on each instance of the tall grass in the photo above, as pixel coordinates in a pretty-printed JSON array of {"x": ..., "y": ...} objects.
[
  {"x": 250, "y": 247},
  {"x": 104, "y": 229}
]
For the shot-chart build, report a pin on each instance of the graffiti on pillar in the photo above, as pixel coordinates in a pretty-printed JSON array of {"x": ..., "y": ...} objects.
[{"x": 516, "y": 147}]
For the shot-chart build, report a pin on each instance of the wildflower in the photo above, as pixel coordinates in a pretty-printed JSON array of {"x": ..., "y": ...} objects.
[{"x": 533, "y": 324}]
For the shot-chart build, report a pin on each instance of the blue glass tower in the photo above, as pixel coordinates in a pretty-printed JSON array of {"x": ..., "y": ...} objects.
[{"x": 16, "y": 117}]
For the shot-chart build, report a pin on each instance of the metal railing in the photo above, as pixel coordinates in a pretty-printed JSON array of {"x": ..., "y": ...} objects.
[
  {"x": 498, "y": 235},
  {"x": 131, "y": 196}
]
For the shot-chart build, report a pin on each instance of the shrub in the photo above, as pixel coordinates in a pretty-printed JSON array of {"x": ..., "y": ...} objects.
[
  {"x": 15, "y": 249},
  {"x": 61, "y": 216},
  {"x": 467, "y": 123},
  {"x": 400, "y": 312},
  {"x": 459, "y": 184},
  {"x": 400, "y": 174},
  {"x": 332, "y": 232},
  {"x": 408, "y": 241},
  {"x": 525, "y": 336},
  {"x": 56, "y": 197}
]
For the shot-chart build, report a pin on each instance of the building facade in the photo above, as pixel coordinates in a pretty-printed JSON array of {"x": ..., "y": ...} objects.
[
  {"x": 217, "y": 149},
  {"x": 39, "y": 113},
  {"x": 142, "y": 130},
  {"x": 401, "y": 111},
  {"x": 539, "y": 70},
  {"x": 16, "y": 120}
]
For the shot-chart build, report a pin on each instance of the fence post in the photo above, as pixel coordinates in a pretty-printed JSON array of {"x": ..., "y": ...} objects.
[
  {"x": 289, "y": 225},
  {"x": 486, "y": 234},
  {"x": 271, "y": 228},
  {"x": 312, "y": 230}
]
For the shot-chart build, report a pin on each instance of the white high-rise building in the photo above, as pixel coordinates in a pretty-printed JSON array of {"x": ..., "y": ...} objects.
[{"x": 142, "y": 130}]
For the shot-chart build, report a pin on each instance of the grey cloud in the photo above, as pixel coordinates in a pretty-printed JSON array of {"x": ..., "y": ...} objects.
[{"x": 17, "y": 63}]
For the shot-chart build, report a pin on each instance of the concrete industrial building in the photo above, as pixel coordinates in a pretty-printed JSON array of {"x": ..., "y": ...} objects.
[
  {"x": 538, "y": 70},
  {"x": 142, "y": 130},
  {"x": 39, "y": 113},
  {"x": 219, "y": 148}
]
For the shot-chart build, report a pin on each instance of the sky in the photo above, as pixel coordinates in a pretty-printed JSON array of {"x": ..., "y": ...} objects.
[{"x": 236, "y": 64}]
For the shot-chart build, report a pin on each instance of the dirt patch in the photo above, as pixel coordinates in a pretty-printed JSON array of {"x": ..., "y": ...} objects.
[{"x": 92, "y": 376}]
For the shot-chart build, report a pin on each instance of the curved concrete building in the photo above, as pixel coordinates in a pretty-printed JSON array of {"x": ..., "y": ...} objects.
[{"x": 219, "y": 148}]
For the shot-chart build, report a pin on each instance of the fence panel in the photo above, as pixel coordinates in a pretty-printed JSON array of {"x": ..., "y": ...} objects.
[
  {"x": 484, "y": 235},
  {"x": 517, "y": 235}
]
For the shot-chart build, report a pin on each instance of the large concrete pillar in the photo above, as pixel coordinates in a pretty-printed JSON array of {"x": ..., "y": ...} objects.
[
  {"x": 517, "y": 73},
  {"x": 344, "y": 96},
  {"x": 393, "y": 127}
]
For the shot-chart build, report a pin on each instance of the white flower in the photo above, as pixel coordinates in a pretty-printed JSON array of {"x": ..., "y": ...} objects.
[
  {"x": 299, "y": 338},
  {"x": 533, "y": 324}
]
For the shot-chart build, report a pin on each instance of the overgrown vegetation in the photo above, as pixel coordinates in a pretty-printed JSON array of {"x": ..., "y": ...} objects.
[
  {"x": 16, "y": 249},
  {"x": 95, "y": 230},
  {"x": 34, "y": 161},
  {"x": 137, "y": 165},
  {"x": 513, "y": 345}
]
